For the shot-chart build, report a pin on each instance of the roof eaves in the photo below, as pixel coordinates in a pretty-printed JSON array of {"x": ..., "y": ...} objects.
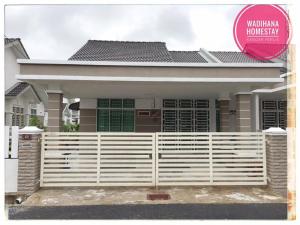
[{"x": 17, "y": 43}]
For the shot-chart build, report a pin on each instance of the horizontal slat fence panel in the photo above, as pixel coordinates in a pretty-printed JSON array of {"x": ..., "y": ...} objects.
[
  {"x": 98, "y": 159},
  {"x": 225, "y": 158},
  {"x": 127, "y": 158},
  {"x": 149, "y": 159},
  {"x": 69, "y": 159},
  {"x": 183, "y": 159},
  {"x": 238, "y": 158}
]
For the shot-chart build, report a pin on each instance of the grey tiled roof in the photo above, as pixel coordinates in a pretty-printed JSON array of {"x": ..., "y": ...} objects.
[
  {"x": 16, "y": 89},
  {"x": 187, "y": 57},
  {"x": 234, "y": 57},
  {"x": 124, "y": 51},
  {"x": 129, "y": 51}
]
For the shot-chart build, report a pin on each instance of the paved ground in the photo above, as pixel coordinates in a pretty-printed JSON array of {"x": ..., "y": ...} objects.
[
  {"x": 150, "y": 211},
  {"x": 134, "y": 195},
  {"x": 132, "y": 203}
]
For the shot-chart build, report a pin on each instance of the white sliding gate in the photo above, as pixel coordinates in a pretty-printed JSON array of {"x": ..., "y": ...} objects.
[
  {"x": 149, "y": 159},
  {"x": 98, "y": 159}
]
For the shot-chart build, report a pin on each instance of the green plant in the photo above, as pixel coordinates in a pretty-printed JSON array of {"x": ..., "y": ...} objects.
[
  {"x": 71, "y": 127},
  {"x": 35, "y": 121}
]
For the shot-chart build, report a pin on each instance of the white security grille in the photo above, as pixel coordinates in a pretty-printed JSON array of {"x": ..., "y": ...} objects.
[
  {"x": 185, "y": 115},
  {"x": 274, "y": 114}
]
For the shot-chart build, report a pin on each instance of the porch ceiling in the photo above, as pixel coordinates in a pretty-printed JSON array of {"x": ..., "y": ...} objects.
[{"x": 131, "y": 89}]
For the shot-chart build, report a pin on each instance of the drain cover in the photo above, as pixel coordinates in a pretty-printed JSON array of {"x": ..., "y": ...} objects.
[{"x": 158, "y": 196}]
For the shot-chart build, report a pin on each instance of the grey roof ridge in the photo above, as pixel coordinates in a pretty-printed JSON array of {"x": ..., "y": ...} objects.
[
  {"x": 183, "y": 51},
  {"x": 127, "y": 41},
  {"x": 22, "y": 92},
  {"x": 15, "y": 44},
  {"x": 208, "y": 56}
]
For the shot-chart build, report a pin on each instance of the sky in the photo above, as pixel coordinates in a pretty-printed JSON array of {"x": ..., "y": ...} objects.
[{"x": 58, "y": 31}]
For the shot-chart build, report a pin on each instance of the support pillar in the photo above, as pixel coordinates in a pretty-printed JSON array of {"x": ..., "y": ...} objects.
[
  {"x": 29, "y": 160},
  {"x": 243, "y": 112},
  {"x": 55, "y": 111},
  {"x": 276, "y": 152},
  {"x": 224, "y": 115}
]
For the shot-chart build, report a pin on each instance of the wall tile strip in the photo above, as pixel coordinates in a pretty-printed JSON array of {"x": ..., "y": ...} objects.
[
  {"x": 224, "y": 115},
  {"x": 29, "y": 164},
  {"x": 276, "y": 147},
  {"x": 243, "y": 113},
  {"x": 55, "y": 110}
]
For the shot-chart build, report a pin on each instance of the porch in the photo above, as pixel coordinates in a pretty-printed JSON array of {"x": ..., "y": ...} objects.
[{"x": 161, "y": 97}]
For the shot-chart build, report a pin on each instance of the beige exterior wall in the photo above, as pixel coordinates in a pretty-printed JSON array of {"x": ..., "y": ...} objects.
[
  {"x": 243, "y": 113},
  {"x": 55, "y": 108},
  {"x": 84, "y": 70},
  {"x": 151, "y": 123},
  {"x": 88, "y": 120}
]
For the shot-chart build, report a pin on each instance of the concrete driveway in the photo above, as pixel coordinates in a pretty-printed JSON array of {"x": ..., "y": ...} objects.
[
  {"x": 132, "y": 203},
  {"x": 71, "y": 196}
]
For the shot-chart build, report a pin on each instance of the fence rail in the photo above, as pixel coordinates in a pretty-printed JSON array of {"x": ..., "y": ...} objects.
[{"x": 149, "y": 159}]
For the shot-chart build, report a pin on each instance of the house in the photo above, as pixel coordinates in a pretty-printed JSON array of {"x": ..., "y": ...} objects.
[
  {"x": 144, "y": 87},
  {"x": 21, "y": 99},
  {"x": 154, "y": 117}
]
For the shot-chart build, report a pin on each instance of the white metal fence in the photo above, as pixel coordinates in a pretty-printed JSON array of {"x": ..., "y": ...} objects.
[
  {"x": 149, "y": 159},
  {"x": 11, "y": 158},
  {"x": 219, "y": 158}
]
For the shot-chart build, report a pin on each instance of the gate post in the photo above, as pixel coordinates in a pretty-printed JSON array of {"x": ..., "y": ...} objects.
[
  {"x": 29, "y": 160},
  {"x": 155, "y": 159},
  {"x": 276, "y": 151}
]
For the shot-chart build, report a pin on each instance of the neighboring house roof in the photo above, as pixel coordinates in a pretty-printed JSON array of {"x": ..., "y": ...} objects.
[
  {"x": 17, "y": 89},
  {"x": 21, "y": 51},
  {"x": 9, "y": 40},
  {"x": 126, "y": 51},
  {"x": 235, "y": 57},
  {"x": 187, "y": 57},
  {"x": 20, "y": 88}
]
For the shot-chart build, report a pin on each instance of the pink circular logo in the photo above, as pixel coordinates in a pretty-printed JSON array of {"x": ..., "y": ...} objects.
[{"x": 262, "y": 31}]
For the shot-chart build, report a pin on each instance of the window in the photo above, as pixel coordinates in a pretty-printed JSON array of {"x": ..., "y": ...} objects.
[
  {"x": 185, "y": 115},
  {"x": 115, "y": 115},
  {"x": 33, "y": 112},
  {"x": 274, "y": 114},
  {"x": 18, "y": 116}
]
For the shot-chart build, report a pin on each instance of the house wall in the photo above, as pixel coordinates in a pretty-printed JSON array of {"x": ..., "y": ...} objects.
[
  {"x": 144, "y": 122},
  {"x": 11, "y": 67}
]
